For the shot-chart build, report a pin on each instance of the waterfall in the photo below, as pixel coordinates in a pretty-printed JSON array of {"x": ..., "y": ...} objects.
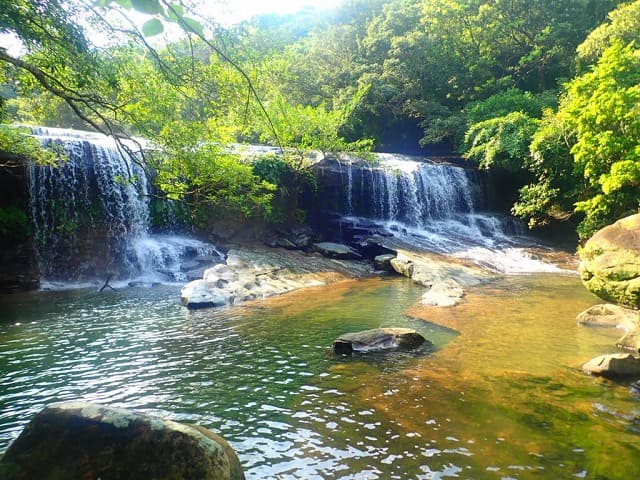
[
  {"x": 434, "y": 207},
  {"x": 91, "y": 216}
]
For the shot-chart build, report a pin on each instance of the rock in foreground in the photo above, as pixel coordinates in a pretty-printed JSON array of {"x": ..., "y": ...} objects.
[
  {"x": 76, "y": 440},
  {"x": 378, "y": 339},
  {"x": 613, "y": 365},
  {"x": 610, "y": 266}
]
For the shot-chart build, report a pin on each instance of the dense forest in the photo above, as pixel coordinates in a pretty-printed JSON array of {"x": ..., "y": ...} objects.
[{"x": 549, "y": 91}]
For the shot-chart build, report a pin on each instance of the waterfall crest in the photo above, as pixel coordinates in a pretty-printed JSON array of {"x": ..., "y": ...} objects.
[{"x": 91, "y": 216}]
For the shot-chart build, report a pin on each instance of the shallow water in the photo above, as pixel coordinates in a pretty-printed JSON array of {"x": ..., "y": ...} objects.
[{"x": 505, "y": 398}]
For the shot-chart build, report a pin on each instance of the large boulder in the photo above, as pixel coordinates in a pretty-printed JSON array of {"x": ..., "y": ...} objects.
[
  {"x": 614, "y": 365},
  {"x": 75, "y": 440},
  {"x": 610, "y": 262},
  {"x": 378, "y": 339}
]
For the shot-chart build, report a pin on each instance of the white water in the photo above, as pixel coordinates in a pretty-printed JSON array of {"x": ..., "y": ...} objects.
[
  {"x": 92, "y": 220},
  {"x": 434, "y": 207}
]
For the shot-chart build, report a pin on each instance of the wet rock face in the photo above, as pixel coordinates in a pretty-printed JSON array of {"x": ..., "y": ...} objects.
[
  {"x": 76, "y": 440},
  {"x": 378, "y": 339},
  {"x": 610, "y": 262}
]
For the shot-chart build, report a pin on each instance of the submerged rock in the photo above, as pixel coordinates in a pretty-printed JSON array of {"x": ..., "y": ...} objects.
[
  {"x": 613, "y": 365},
  {"x": 610, "y": 262},
  {"x": 75, "y": 440},
  {"x": 378, "y": 339},
  {"x": 609, "y": 315}
]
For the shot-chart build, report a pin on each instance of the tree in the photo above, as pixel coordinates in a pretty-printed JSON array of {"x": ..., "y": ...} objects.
[
  {"x": 172, "y": 98},
  {"x": 604, "y": 107}
]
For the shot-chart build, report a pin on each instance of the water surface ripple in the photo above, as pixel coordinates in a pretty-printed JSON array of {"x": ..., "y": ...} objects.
[{"x": 261, "y": 376}]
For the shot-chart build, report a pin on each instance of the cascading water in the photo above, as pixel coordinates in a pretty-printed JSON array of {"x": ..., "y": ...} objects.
[
  {"x": 434, "y": 207},
  {"x": 91, "y": 216}
]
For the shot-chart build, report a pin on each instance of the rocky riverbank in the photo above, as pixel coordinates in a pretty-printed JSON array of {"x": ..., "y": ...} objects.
[{"x": 610, "y": 269}]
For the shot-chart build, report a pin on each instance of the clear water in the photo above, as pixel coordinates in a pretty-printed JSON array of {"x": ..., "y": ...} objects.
[{"x": 503, "y": 399}]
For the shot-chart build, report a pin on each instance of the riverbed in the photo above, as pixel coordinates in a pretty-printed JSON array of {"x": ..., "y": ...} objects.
[{"x": 500, "y": 395}]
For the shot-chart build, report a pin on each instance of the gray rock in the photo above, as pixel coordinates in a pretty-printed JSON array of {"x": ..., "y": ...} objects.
[
  {"x": 383, "y": 262},
  {"x": 336, "y": 250},
  {"x": 444, "y": 278},
  {"x": 613, "y": 365},
  {"x": 630, "y": 341},
  {"x": 377, "y": 340},
  {"x": 202, "y": 294},
  {"x": 75, "y": 440},
  {"x": 403, "y": 265},
  {"x": 261, "y": 273},
  {"x": 609, "y": 315},
  {"x": 445, "y": 293}
]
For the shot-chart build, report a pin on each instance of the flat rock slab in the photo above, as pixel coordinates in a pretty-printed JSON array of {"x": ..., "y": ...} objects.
[
  {"x": 378, "y": 339},
  {"x": 77, "y": 440},
  {"x": 613, "y": 365},
  {"x": 260, "y": 273},
  {"x": 336, "y": 250}
]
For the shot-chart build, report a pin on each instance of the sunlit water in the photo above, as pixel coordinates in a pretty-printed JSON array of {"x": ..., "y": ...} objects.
[{"x": 503, "y": 399}]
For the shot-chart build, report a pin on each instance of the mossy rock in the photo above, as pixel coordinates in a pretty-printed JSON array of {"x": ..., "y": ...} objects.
[
  {"x": 75, "y": 440},
  {"x": 610, "y": 262}
]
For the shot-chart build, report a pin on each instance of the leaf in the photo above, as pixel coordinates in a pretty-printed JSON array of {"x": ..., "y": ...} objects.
[
  {"x": 175, "y": 12},
  {"x": 126, "y": 4},
  {"x": 152, "y": 27},
  {"x": 151, "y": 7},
  {"x": 191, "y": 25}
]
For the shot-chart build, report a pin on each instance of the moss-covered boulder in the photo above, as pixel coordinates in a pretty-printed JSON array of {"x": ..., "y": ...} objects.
[
  {"x": 76, "y": 440},
  {"x": 610, "y": 262}
]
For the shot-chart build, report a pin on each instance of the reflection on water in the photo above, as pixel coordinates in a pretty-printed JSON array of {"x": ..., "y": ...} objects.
[{"x": 504, "y": 399}]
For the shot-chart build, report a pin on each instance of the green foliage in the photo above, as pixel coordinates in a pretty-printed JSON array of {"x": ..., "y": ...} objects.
[
  {"x": 603, "y": 106},
  {"x": 162, "y": 12},
  {"x": 17, "y": 147},
  {"x": 511, "y": 100},
  {"x": 14, "y": 224},
  {"x": 480, "y": 75},
  {"x": 623, "y": 26},
  {"x": 500, "y": 142},
  {"x": 209, "y": 179},
  {"x": 278, "y": 171}
]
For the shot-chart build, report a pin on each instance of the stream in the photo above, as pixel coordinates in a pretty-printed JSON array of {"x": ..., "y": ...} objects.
[{"x": 500, "y": 396}]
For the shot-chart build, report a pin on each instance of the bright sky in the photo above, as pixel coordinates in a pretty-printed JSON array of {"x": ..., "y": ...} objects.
[
  {"x": 237, "y": 10},
  {"x": 224, "y": 12},
  {"x": 234, "y": 11}
]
